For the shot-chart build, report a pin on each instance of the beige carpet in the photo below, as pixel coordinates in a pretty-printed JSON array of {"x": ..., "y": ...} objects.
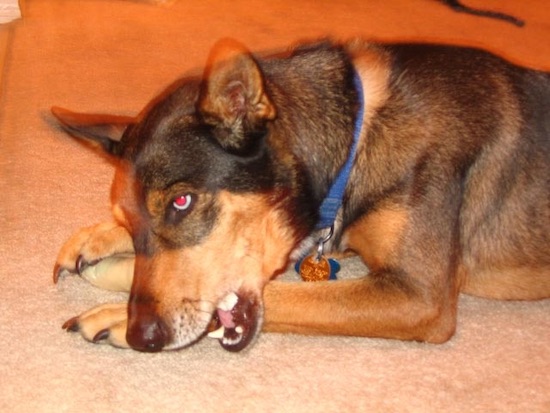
[{"x": 113, "y": 56}]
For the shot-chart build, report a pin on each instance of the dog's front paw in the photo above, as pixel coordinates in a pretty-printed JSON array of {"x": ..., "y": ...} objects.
[
  {"x": 105, "y": 323},
  {"x": 102, "y": 254}
]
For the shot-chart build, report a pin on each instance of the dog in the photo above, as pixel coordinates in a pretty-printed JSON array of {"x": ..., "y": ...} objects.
[{"x": 220, "y": 182}]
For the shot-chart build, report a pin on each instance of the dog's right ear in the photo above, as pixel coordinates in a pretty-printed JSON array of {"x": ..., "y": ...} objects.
[
  {"x": 234, "y": 97},
  {"x": 104, "y": 131}
]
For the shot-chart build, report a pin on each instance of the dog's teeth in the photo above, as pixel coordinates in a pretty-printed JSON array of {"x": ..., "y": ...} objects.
[
  {"x": 217, "y": 333},
  {"x": 239, "y": 329},
  {"x": 228, "y": 302}
]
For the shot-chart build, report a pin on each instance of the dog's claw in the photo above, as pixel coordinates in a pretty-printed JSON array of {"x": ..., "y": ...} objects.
[
  {"x": 81, "y": 265},
  {"x": 59, "y": 272},
  {"x": 101, "y": 335},
  {"x": 56, "y": 273},
  {"x": 71, "y": 325}
]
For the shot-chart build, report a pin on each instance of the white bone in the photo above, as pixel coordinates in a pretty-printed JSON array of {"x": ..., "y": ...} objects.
[{"x": 228, "y": 302}]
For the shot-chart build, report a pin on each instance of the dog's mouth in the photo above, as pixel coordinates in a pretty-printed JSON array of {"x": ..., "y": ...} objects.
[{"x": 236, "y": 321}]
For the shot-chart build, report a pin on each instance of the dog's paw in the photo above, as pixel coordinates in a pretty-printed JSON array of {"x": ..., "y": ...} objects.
[
  {"x": 105, "y": 323},
  {"x": 102, "y": 254}
]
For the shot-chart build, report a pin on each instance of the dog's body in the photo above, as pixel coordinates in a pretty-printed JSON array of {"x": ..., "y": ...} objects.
[{"x": 220, "y": 182}]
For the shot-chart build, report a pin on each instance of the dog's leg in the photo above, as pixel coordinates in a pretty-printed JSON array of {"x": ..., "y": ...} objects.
[
  {"x": 367, "y": 307},
  {"x": 102, "y": 254},
  {"x": 106, "y": 323},
  {"x": 410, "y": 293}
]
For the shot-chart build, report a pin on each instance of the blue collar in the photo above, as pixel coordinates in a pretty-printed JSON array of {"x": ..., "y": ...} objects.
[{"x": 335, "y": 196}]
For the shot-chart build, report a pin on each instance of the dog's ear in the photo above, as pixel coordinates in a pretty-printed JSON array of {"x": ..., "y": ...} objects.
[
  {"x": 104, "y": 131},
  {"x": 233, "y": 95}
]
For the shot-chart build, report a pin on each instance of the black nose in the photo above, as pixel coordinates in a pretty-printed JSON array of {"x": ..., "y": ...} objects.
[{"x": 147, "y": 332}]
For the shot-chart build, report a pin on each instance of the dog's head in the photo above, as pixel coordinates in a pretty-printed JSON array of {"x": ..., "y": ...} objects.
[{"x": 210, "y": 198}]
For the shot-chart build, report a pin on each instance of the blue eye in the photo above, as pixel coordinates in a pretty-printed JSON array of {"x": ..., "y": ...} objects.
[{"x": 182, "y": 202}]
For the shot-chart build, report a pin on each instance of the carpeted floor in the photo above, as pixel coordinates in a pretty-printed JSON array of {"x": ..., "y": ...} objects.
[{"x": 113, "y": 56}]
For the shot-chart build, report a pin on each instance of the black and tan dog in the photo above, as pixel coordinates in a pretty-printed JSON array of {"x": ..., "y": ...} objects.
[{"x": 219, "y": 185}]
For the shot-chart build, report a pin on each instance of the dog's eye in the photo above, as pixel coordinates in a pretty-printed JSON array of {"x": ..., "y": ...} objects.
[
  {"x": 179, "y": 207},
  {"x": 182, "y": 202}
]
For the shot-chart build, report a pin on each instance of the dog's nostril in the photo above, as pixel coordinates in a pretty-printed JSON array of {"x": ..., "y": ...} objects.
[{"x": 147, "y": 334}]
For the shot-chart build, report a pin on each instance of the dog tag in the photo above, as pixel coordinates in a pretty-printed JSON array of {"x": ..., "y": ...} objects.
[
  {"x": 312, "y": 268},
  {"x": 316, "y": 267}
]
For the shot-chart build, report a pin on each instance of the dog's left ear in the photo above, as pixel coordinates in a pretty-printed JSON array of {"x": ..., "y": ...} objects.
[
  {"x": 233, "y": 95},
  {"x": 104, "y": 131}
]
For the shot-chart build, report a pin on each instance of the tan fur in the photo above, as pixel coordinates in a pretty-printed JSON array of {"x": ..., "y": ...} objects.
[
  {"x": 510, "y": 283},
  {"x": 377, "y": 236},
  {"x": 359, "y": 309},
  {"x": 231, "y": 256},
  {"x": 373, "y": 66}
]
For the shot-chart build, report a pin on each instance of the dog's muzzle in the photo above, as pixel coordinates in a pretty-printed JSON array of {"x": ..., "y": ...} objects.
[{"x": 234, "y": 322}]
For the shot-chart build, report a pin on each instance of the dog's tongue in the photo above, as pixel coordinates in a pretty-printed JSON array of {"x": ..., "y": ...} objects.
[{"x": 226, "y": 318}]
